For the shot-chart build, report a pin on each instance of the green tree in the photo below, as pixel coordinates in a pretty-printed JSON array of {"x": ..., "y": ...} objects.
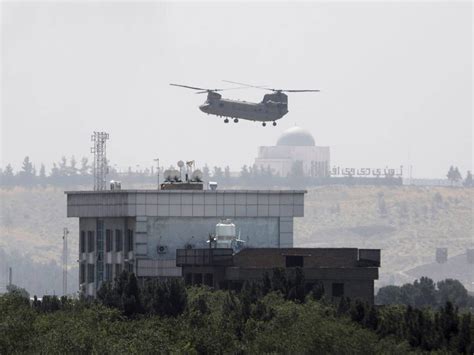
[{"x": 453, "y": 291}]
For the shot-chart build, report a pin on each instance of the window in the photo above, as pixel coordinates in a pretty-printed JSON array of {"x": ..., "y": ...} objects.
[
  {"x": 129, "y": 240},
  {"x": 188, "y": 278},
  {"x": 197, "y": 279},
  {"x": 82, "y": 272},
  {"x": 294, "y": 261},
  {"x": 82, "y": 242},
  {"x": 108, "y": 272},
  {"x": 90, "y": 241},
  {"x": 118, "y": 240},
  {"x": 129, "y": 267},
  {"x": 337, "y": 290},
  {"x": 118, "y": 270},
  {"x": 209, "y": 280},
  {"x": 90, "y": 273},
  {"x": 108, "y": 240}
]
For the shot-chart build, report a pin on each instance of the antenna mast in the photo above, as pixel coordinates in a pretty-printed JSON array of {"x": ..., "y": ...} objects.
[
  {"x": 100, "y": 169},
  {"x": 65, "y": 251}
]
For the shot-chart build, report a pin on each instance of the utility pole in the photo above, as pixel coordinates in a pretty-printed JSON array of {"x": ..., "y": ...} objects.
[
  {"x": 65, "y": 251},
  {"x": 157, "y": 173},
  {"x": 10, "y": 276}
]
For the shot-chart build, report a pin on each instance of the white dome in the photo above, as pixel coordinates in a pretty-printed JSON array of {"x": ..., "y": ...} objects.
[{"x": 296, "y": 136}]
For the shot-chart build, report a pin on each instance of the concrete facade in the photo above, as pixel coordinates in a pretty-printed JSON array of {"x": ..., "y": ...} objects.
[
  {"x": 343, "y": 272},
  {"x": 140, "y": 230}
]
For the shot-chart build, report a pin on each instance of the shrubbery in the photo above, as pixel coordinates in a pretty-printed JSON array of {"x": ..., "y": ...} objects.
[{"x": 274, "y": 316}]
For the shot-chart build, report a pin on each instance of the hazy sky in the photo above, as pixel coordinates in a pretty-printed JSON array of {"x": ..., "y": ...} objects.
[{"x": 396, "y": 80}]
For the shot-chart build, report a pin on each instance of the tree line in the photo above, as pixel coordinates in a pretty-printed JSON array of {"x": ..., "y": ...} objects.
[
  {"x": 79, "y": 172},
  {"x": 277, "y": 315}
]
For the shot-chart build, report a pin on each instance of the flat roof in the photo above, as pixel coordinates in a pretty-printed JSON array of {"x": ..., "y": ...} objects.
[{"x": 240, "y": 191}]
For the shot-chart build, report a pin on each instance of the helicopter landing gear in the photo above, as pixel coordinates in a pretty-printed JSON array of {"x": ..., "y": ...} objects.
[
  {"x": 236, "y": 120},
  {"x": 264, "y": 124},
  {"x": 274, "y": 123},
  {"x": 226, "y": 120}
]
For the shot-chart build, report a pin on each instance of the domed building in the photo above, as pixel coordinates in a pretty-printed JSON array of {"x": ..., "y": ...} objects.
[{"x": 295, "y": 154}]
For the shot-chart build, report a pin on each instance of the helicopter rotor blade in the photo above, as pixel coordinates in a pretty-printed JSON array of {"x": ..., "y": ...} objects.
[
  {"x": 271, "y": 89},
  {"x": 247, "y": 85},
  {"x": 309, "y": 90},
  {"x": 188, "y": 87}
]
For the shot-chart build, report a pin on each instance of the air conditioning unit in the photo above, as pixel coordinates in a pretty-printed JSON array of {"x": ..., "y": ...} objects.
[
  {"x": 161, "y": 249},
  {"x": 189, "y": 246}
]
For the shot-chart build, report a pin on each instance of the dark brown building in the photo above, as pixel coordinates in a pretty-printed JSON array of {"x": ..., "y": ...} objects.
[{"x": 344, "y": 272}]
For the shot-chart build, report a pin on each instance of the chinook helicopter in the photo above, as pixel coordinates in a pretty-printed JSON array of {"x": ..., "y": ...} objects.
[{"x": 273, "y": 106}]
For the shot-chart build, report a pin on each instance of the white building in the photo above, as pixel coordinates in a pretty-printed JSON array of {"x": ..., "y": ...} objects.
[
  {"x": 295, "y": 153},
  {"x": 140, "y": 230}
]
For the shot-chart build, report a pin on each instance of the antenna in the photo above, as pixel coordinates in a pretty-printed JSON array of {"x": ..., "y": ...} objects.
[
  {"x": 100, "y": 159},
  {"x": 157, "y": 172},
  {"x": 65, "y": 251}
]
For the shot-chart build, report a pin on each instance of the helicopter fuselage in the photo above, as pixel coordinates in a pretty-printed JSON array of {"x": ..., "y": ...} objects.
[{"x": 272, "y": 108}]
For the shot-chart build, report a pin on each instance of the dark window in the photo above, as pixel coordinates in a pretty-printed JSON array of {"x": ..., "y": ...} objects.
[
  {"x": 129, "y": 267},
  {"x": 188, "y": 278},
  {"x": 118, "y": 240},
  {"x": 90, "y": 241},
  {"x": 130, "y": 240},
  {"x": 108, "y": 272},
  {"x": 294, "y": 261},
  {"x": 90, "y": 273},
  {"x": 209, "y": 280},
  {"x": 221, "y": 104},
  {"x": 197, "y": 279},
  {"x": 118, "y": 270},
  {"x": 337, "y": 289},
  {"x": 82, "y": 272},
  {"x": 82, "y": 242},
  {"x": 108, "y": 240}
]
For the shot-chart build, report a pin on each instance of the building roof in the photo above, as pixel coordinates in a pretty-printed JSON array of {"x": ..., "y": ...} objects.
[{"x": 296, "y": 136}]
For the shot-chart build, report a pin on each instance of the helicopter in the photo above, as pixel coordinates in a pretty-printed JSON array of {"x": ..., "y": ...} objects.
[{"x": 272, "y": 107}]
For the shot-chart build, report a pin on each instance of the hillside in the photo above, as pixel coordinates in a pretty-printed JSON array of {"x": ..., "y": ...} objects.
[{"x": 407, "y": 223}]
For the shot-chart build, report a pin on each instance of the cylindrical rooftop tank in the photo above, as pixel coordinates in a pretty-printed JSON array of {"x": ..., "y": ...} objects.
[{"x": 225, "y": 228}]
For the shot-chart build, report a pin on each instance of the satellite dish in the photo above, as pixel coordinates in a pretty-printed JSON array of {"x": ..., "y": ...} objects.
[
  {"x": 181, "y": 163},
  {"x": 172, "y": 175},
  {"x": 197, "y": 175}
]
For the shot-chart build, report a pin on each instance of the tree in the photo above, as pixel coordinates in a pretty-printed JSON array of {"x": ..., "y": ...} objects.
[
  {"x": 73, "y": 166},
  {"x": 63, "y": 168},
  {"x": 244, "y": 172},
  {"x": 42, "y": 173},
  {"x": 468, "y": 180},
  {"x": 450, "y": 174},
  {"x": 205, "y": 173},
  {"x": 425, "y": 292},
  {"x": 17, "y": 291},
  {"x": 27, "y": 172},
  {"x": 8, "y": 175},
  {"x": 217, "y": 173},
  {"x": 453, "y": 291},
  {"x": 227, "y": 173},
  {"x": 457, "y": 175},
  {"x": 465, "y": 345},
  {"x": 84, "y": 169}
]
